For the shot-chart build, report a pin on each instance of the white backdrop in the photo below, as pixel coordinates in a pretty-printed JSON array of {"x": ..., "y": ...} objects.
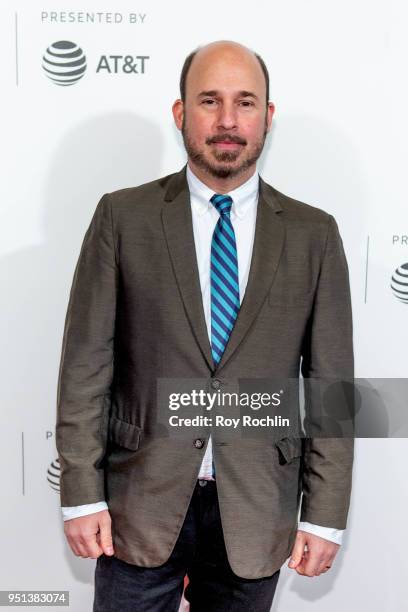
[{"x": 339, "y": 142}]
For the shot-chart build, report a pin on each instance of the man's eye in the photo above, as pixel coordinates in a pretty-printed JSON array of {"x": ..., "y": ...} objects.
[
  {"x": 247, "y": 103},
  {"x": 206, "y": 101}
]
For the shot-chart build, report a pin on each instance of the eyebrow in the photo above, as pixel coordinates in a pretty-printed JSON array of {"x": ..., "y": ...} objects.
[{"x": 214, "y": 92}]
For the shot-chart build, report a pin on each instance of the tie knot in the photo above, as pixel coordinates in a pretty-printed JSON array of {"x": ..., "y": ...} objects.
[{"x": 222, "y": 203}]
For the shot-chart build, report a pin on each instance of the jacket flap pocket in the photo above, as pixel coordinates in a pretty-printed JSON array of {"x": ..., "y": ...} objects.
[
  {"x": 124, "y": 433},
  {"x": 289, "y": 448}
]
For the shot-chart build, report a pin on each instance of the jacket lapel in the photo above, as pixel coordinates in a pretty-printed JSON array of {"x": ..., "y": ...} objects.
[
  {"x": 268, "y": 245},
  {"x": 178, "y": 228}
]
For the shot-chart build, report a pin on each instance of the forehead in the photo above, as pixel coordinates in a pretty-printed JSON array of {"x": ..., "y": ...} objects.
[{"x": 225, "y": 70}]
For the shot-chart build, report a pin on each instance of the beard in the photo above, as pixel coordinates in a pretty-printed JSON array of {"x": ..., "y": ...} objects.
[{"x": 221, "y": 166}]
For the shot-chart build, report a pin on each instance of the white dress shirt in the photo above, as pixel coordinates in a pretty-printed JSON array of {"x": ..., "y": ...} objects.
[{"x": 204, "y": 218}]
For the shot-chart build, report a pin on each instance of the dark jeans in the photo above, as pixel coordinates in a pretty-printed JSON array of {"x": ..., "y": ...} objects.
[{"x": 200, "y": 553}]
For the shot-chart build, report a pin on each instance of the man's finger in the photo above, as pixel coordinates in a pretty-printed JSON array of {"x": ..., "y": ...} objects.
[
  {"x": 310, "y": 565},
  {"x": 301, "y": 567},
  {"x": 105, "y": 535},
  {"x": 77, "y": 547},
  {"x": 297, "y": 551},
  {"x": 91, "y": 545},
  {"x": 325, "y": 565}
]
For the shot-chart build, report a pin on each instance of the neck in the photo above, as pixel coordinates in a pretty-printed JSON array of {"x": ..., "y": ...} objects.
[{"x": 221, "y": 185}]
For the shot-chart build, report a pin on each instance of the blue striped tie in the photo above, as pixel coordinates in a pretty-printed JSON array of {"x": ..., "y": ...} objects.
[{"x": 224, "y": 279}]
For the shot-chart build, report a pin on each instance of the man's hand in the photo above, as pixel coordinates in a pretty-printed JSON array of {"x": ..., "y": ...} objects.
[
  {"x": 90, "y": 535},
  {"x": 318, "y": 557}
]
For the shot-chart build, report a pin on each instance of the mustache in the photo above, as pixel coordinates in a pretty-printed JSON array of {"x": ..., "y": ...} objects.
[{"x": 226, "y": 138}]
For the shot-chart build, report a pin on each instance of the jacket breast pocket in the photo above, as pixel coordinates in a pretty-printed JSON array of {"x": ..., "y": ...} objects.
[
  {"x": 290, "y": 297},
  {"x": 124, "y": 434}
]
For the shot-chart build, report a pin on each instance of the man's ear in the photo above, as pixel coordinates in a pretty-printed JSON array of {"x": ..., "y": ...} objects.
[
  {"x": 270, "y": 112},
  {"x": 178, "y": 113}
]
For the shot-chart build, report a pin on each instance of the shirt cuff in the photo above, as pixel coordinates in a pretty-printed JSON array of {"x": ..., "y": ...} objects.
[
  {"x": 70, "y": 512},
  {"x": 328, "y": 533}
]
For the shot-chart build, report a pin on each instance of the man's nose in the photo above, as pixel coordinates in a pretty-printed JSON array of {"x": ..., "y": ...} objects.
[{"x": 227, "y": 118}]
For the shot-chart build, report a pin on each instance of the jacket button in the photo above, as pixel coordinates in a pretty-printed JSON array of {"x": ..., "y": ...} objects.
[
  {"x": 215, "y": 384},
  {"x": 198, "y": 443}
]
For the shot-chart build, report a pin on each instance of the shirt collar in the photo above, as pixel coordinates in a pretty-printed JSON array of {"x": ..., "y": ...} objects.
[{"x": 242, "y": 197}]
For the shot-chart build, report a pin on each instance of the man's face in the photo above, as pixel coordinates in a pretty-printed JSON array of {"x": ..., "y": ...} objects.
[{"x": 225, "y": 118}]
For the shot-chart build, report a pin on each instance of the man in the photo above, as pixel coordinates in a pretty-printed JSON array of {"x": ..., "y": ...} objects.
[{"x": 158, "y": 294}]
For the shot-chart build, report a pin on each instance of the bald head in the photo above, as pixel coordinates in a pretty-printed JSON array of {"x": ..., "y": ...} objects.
[{"x": 227, "y": 55}]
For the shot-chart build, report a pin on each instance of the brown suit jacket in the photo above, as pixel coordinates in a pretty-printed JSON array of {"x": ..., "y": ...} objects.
[{"x": 135, "y": 315}]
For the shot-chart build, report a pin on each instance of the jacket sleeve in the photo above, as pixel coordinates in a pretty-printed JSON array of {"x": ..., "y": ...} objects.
[
  {"x": 327, "y": 358},
  {"x": 86, "y": 366}
]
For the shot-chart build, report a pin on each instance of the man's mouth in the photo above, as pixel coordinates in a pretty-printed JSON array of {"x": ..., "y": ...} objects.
[{"x": 227, "y": 145}]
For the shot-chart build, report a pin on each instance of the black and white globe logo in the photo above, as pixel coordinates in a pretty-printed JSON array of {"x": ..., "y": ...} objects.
[
  {"x": 64, "y": 63},
  {"x": 399, "y": 283},
  {"x": 53, "y": 475}
]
